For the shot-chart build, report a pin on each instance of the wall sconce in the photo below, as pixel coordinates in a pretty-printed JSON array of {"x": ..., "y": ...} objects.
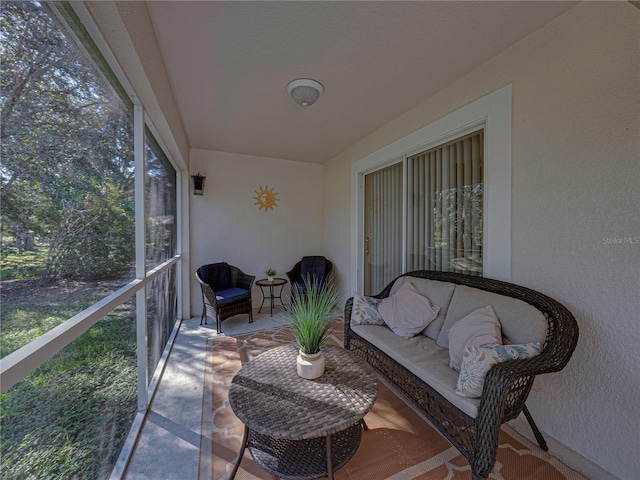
[{"x": 198, "y": 183}]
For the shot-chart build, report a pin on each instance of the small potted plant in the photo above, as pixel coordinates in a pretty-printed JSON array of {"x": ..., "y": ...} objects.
[
  {"x": 310, "y": 310},
  {"x": 270, "y": 273}
]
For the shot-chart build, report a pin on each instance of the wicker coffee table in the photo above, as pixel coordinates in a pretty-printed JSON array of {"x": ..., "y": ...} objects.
[{"x": 297, "y": 428}]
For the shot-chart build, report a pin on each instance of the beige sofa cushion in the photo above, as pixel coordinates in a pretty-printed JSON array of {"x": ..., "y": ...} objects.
[
  {"x": 421, "y": 356},
  {"x": 521, "y": 323},
  {"x": 439, "y": 293}
]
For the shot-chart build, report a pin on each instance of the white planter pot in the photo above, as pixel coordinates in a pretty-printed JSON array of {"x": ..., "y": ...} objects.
[
  {"x": 270, "y": 279},
  {"x": 310, "y": 366}
]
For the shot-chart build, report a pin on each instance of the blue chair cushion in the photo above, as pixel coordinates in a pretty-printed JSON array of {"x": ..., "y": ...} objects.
[{"x": 227, "y": 296}]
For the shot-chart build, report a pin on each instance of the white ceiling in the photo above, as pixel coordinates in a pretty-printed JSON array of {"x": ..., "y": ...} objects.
[{"x": 229, "y": 64}]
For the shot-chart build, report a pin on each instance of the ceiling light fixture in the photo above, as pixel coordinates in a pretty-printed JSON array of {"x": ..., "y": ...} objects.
[{"x": 305, "y": 91}]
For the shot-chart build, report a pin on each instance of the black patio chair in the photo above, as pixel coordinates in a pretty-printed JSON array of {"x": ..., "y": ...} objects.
[
  {"x": 226, "y": 291},
  {"x": 317, "y": 266}
]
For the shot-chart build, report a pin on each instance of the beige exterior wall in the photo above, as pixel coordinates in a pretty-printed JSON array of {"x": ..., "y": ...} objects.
[
  {"x": 227, "y": 226},
  {"x": 575, "y": 177}
]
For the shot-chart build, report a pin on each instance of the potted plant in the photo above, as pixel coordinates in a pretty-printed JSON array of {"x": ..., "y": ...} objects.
[
  {"x": 270, "y": 273},
  {"x": 310, "y": 310}
]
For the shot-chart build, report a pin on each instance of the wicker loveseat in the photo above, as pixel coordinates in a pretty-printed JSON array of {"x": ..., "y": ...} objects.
[{"x": 419, "y": 366}]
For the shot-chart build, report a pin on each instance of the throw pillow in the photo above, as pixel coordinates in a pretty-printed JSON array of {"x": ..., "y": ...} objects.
[
  {"x": 478, "y": 361},
  {"x": 406, "y": 312},
  {"x": 365, "y": 310},
  {"x": 480, "y": 327}
]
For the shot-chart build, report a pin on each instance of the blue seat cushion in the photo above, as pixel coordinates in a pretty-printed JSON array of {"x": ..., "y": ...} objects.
[{"x": 228, "y": 296}]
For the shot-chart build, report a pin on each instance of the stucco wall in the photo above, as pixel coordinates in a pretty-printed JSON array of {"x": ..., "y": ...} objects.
[
  {"x": 226, "y": 225},
  {"x": 575, "y": 177}
]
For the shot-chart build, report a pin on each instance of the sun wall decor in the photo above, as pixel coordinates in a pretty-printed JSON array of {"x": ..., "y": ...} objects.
[{"x": 266, "y": 198}]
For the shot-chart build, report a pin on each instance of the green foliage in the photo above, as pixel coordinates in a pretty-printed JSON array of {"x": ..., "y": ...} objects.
[
  {"x": 66, "y": 148},
  {"x": 69, "y": 418},
  {"x": 67, "y": 179},
  {"x": 16, "y": 263},
  {"x": 270, "y": 272},
  {"x": 310, "y": 312},
  {"x": 94, "y": 240}
]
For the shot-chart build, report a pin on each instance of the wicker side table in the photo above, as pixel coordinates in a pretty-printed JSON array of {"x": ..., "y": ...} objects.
[{"x": 297, "y": 428}]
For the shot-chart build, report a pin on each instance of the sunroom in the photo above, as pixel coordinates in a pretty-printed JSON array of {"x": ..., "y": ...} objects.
[{"x": 109, "y": 109}]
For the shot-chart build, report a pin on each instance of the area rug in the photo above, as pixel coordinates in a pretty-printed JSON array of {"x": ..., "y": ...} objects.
[{"x": 399, "y": 444}]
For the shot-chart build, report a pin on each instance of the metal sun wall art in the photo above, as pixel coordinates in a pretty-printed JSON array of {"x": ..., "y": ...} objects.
[{"x": 266, "y": 198}]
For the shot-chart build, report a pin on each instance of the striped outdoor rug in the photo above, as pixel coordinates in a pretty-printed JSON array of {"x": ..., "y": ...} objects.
[{"x": 399, "y": 444}]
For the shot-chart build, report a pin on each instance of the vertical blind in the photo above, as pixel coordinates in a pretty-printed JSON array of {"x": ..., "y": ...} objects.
[
  {"x": 383, "y": 227},
  {"x": 445, "y": 204}
]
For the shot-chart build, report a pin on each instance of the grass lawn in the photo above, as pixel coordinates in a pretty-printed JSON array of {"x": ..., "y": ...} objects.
[
  {"x": 69, "y": 418},
  {"x": 16, "y": 264}
]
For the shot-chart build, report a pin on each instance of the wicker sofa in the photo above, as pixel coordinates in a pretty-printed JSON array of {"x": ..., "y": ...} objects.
[{"x": 419, "y": 366}]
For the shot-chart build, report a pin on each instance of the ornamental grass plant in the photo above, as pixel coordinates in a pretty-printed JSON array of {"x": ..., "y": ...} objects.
[{"x": 310, "y": 310}]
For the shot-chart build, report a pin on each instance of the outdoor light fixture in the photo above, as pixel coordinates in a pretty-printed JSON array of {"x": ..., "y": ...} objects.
[
  {"x": 305, "y": 91},
  {"x": 198, "y": 183}
]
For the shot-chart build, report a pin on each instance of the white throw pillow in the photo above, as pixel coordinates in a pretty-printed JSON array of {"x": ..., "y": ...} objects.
[
  {"x": 406, "y": 312},
  {"x": 478, "y": 361},
  {"x": 365, "y": 310},
  {"x": 480, "y": 327}
]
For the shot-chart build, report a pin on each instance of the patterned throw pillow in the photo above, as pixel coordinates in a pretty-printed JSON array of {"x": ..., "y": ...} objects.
[
  {"x": 477, "y": 361},
  {"x": 365, "y": 311}
]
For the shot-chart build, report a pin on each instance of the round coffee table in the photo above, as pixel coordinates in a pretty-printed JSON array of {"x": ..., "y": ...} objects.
[{"x": 297, "y": 428}]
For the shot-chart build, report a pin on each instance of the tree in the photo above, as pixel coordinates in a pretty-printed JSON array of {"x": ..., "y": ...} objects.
[{"x": 66, "y": 149}]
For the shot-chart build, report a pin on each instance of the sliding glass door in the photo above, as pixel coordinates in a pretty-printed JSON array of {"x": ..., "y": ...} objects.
[
  {"x": 443, "y": 230},
  {"x": 445, "y": 207}
]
